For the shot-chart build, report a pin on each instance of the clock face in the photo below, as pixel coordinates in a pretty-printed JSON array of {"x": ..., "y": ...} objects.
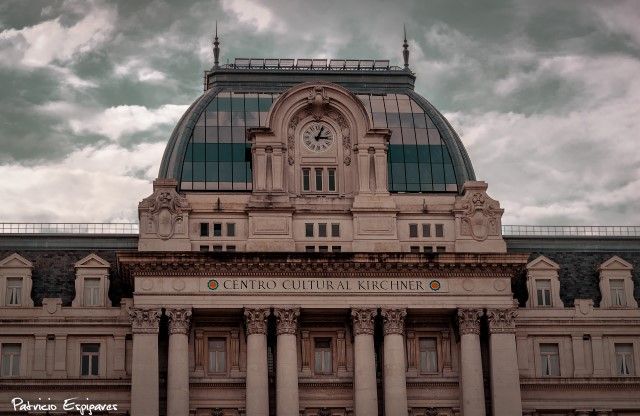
[{"x": 318, "y": 136}]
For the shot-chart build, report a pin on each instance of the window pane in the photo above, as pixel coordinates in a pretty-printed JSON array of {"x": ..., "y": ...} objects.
[
  {"x": 413, "y": 230},
  {"x": 332, "y": 180},
  {"x": 335, "y": 230},
  {"x": 308, "y": 230},
  {"x": 14, "y": 291},
  {"x": 231, "y": 229},
  {"x": 319, "y": 180},
  {"x": 322, "y": 230},
  {"x": 305, "y": 180}
]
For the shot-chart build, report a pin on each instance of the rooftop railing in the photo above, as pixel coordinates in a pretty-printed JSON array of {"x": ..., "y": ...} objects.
[
  {"x": 313, "y": 64},
  {"x": 507, "y": 230},
  {"x": 571, "y": 230},
  {"x": 69, "y": 228}
]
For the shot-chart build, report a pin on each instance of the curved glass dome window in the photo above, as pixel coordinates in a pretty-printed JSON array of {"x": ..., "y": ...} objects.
[
  {"x": 418, "y": 159},
  {"x": 218, "y": 156}
]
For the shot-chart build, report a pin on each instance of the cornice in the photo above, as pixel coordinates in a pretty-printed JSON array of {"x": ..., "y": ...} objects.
[
  {"x": 600, "y": 383},
  {"x": 73, "y": 384},
  {"x": 154, "y": 264}
]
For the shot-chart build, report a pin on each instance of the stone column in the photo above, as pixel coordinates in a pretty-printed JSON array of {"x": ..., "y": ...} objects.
[
  {"x": 144, "y": 372},
  {"x": 395, "y": 369},
  {"x": 471, "y": 382},
  {"x": 364, "y": 383},
  {"x": 287, "y": 401},
  {"x": 178, "y": 365},
  {"x": 505, "y": 375},
  {"x": 257, "y": 385}
]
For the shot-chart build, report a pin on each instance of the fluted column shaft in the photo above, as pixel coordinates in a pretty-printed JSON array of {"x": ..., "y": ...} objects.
[
  {"x": 395, "y": 372},
  {"x": 257, "y": 385},
  {"x": 471, "y": 381},
  {"x": 365, "y": 388},
  {"x": 145, "y": 378},
  {"x": 287, "y": 399},
  {"x": 178, "y": 362}
]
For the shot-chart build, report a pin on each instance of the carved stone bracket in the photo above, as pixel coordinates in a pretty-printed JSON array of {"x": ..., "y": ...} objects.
[
  {"x": 363, "y": 320},
  {"x": 144, "y": 321},
  {"x": 318, "y": 100},
  {"x": 394, "y": 320},
  {"x": 469, "y": 321},
  {"x": 480, "y": 215},
  {"x": 179, "y": 320},
  {"x": 165, "y": 212},
  {"x": 502, "y": 320},
  {"x": 287, "y": 320},
  {"x": 256, "y": 320}
]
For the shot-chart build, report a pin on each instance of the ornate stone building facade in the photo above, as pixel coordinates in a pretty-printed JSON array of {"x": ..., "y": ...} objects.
[{"x": 317, "y": 244}]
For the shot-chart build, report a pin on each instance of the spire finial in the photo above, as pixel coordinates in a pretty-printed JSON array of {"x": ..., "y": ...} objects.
[
  {"x": 405, "y": 48},
  {"x": 216, "y": 49}
]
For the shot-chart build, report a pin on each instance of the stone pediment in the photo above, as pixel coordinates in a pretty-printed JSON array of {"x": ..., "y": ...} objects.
[
  {"x": 543, "y": 263},
  {"x": 92, "y": 261},
  {"x": 615, "y": 263},
  {"x": 16, "y": 261}
]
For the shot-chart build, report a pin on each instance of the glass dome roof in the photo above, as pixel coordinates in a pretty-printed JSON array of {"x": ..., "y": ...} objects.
[{"x": 209, "y": 150}]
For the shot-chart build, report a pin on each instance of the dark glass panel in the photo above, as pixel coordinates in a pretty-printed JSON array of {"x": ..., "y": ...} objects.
[
  {"x": 412, "y": 173},
  {"x": 225, "y": 171},
  {"x": 199, "y": 150},
  {"x": 188, "y": 157},
  {"x": 198, "y": 171},
  {"x": 437, "y": 170},
  {"x": 251, "y": 104},
  {"x": 449, "y": 173},
  {"x": 410, "y": 153},
  {"x": 224, "y": 101},
  {"x": 396, "y": 153},
  {"x": 425, "y": 173},
  {"x": 436, "y": 154},
  {"x": 239, "y": 153},
  {"x": 212, "y": 152},
  {"x": 212, "y": 171},
  {"x": 265, "y": 102},
  {"x": 212, "y": 118},
  {"x": 239, "y": 172},
  {"x": 397, "y": 171},
  {"x": 225, "y": 152},
  {"x": 187, "y": 171}
]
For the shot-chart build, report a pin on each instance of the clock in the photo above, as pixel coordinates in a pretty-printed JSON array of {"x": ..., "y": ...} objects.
[{"x": 318, "y": 136}]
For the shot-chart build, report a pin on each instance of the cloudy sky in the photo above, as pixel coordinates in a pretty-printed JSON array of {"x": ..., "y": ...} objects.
[{"x": 545, "y": 94}]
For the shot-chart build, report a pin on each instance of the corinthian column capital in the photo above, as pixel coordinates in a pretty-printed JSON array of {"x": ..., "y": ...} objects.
[
  {"x": 179, "y": 320},
  {"x": 394, "y": 320},
  {"x": 287, "y": 320},
  {"x": 469, "y": 321},
  {"x": 256, "y": 320},
  {"x": 363, "y": 320},
  {"x": 502, "y": 320},
  {"x": 144, "y": 321}
]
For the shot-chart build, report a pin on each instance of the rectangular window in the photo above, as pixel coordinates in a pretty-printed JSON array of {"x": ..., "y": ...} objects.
[
  {"x": 323, "y": 356},
  {"x": 10, "y": 363},
  {"x": 90, "y": 354},
  {"x": 428, "y": 249},
  {"x": 336, "y": 249},
  {"x": 617, "y": 292},
  {"x": 323, "y": 249},
  {"x": 441, "y": 249},
  {"x": 305, "y": 179},
  {"x": 624, "y": 359},
  {"x": 231, "y": 229},
  {"x": 426, "y": 230},
  {"x": 217, "y": 248},
  {"x": 204, "y": 229},
  {"x": 217, "y": 229},
  {"x": 91, "y": 292},
  {"x": 335, "y": 230},
  {"x": 310, "y": 249},
  {"x": 332, "y": 180},
  {"x": 319, "y": 180},
  {"x": 413, "y": 230},
  {"x": 14, "y": 291},
  {"x": 204, "y": 248},
  {"x": 217, "y": 355},
  {"x": 549, "y": 360},
  {"x": 322, "y": 230},
  {"x": 543, "y": 291},
  {"x": 428, "y": 355},
  {"x": 439, "y": 230},
  {"x": 231, "y": 248},
  {"x": 308, "y": 229},
  {"x": 414, "y": 249}
]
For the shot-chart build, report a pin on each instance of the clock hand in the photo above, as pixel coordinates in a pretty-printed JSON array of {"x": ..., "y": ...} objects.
[{"x": 319, "y": 133}]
